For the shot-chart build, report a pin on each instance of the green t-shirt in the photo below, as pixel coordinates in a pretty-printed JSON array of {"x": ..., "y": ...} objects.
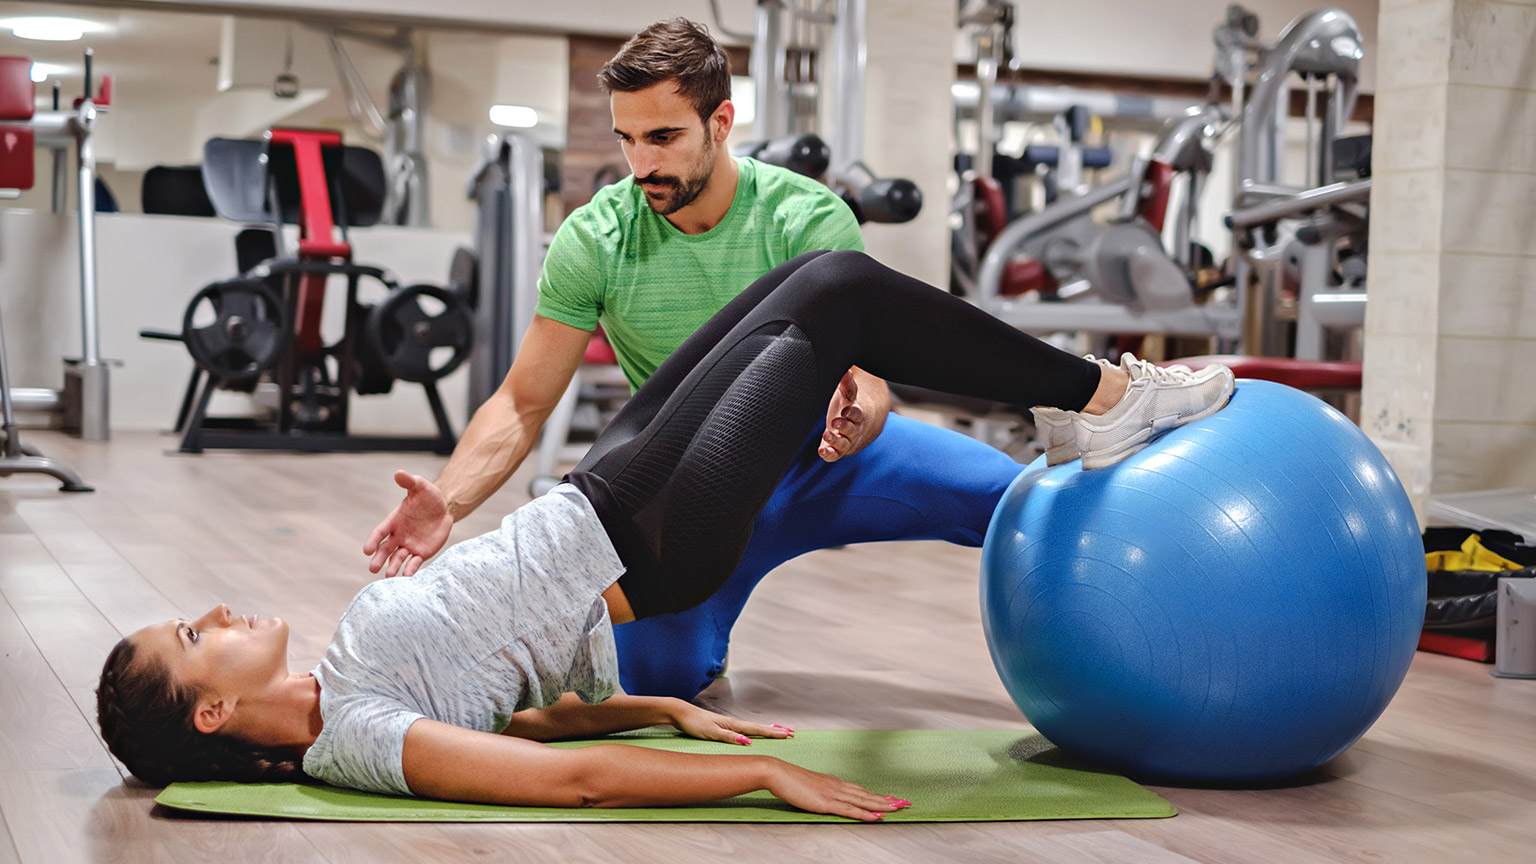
[{"x": 616, "y": 262}]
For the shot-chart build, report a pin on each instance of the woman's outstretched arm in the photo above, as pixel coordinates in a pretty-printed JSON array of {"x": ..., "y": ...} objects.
[
  {"x": 573, "y": 718},
  {"x": 455, "y": 764}
]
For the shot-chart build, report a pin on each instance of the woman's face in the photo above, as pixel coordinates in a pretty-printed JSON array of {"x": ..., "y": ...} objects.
[{"x": 231, "y": 656}]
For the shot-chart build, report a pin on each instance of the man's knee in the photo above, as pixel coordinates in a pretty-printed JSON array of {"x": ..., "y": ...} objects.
[{"x": 661, "y": 656}]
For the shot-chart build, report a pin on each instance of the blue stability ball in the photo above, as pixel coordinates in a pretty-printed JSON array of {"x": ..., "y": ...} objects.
[{"x": 1236, "y": 602}]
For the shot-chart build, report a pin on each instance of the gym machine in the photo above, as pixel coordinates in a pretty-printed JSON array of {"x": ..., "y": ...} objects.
[
  {"x": 890, "y": 200},
  {"x": 988, "y": 193},
  {"x": 984, "y": 203},
  {"x": 1142, "y": 272},
  {"x": 507, "y": 190},
  {"x": 401, "y": 127},
  {"x": 803, "y": 50},
  {"x": 1324, "y": 263},
  {"x": 84, "y": 402},
  {"x": 265, "y": 324},
  {"x": 510, "y": 243},
  {"x": 1136, "y": 285}
]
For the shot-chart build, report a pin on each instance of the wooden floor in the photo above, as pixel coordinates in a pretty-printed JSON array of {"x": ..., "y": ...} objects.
[{"x": 874, "y": 637}]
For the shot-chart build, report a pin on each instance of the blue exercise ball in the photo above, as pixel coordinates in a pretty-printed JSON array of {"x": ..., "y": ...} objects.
[{"x": 1236, "y": 602}]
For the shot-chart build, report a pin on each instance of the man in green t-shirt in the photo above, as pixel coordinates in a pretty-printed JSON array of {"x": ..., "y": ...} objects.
[{"x": 651, "y": 258}]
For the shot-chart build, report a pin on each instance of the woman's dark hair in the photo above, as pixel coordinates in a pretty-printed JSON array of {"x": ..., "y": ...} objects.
[
  {"x": 146, "y": 720},
  {"x": 676, "y": 50}
]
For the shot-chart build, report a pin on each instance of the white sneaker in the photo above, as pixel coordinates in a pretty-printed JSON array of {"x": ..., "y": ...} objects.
[
  {"x": 1157, "y": 401},
  {"x": 1055, "y": 430}
]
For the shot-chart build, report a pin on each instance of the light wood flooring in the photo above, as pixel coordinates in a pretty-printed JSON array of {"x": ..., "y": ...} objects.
[{"x": 881, "y": 636}]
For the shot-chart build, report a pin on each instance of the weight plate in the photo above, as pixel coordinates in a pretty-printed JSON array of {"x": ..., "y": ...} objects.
[
  {"x": 235, "y": 329},
  {"x": 408, "y": 337}
]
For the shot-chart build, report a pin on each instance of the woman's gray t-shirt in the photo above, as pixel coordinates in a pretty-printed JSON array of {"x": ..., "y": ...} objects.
[{"x": 509, "y": 620}]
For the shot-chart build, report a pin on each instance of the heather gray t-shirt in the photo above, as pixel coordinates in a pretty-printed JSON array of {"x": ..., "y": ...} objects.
[{"x": 509, "y": 620}]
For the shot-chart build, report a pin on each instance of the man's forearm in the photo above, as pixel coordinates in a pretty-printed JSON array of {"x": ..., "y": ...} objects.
[{"x": 494, "y": 444}]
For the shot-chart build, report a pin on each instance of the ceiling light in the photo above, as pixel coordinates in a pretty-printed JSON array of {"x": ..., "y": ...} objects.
[
  {"x": 51, "y": 29},
  {"x": 41, "y": 71},
  {"x": 516, "y": 116}
]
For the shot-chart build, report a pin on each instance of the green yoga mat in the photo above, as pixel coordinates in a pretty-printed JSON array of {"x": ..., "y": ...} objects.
[{"x": 950, "y": 775}]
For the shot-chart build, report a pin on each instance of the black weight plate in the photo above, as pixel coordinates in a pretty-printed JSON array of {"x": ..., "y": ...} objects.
[
  {"x": 464, "y": 276},
  {"x": 248, "y": 332},
  {"x": 405, "y": 335}
]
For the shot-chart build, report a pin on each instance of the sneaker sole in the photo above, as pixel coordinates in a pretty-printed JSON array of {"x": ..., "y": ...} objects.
[
  {"x": 1110, "y": 455},
  {"x": 1061, "y": 454}
]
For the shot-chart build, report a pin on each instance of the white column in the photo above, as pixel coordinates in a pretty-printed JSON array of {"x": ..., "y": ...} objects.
[
  {"x": 909, "y": 128},
  {"x": 1451, "y": 324}
]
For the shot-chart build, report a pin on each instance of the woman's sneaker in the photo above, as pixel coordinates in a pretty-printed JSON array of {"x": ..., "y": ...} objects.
[
  {"x": 1055, "y": 432},
  {"x": 1054, "y": 428},
  {"x": 1157, "y": 400}
]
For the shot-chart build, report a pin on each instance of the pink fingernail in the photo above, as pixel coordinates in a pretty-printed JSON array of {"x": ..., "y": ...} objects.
[
  {"x": 878, "y": 815},
  {"x": 742, "y": 739}
]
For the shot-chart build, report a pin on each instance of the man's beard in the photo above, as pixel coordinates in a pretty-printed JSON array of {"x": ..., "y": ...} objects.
[{"x": 679, "y": 192}]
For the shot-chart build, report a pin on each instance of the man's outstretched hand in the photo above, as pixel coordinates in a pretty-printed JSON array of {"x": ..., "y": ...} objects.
[{"x": 413, "y": 532}]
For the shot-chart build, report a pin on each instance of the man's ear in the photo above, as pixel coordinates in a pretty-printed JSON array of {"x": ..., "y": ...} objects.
[
  {"x": 724, "y": 119},
  {"x": 211, "y": 713}
]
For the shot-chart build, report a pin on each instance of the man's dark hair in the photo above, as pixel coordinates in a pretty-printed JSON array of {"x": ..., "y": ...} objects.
[{"x": 676, "y": 50}]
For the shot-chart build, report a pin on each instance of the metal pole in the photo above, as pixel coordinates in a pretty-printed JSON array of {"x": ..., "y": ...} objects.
[
  {"x": 986, "y": 81},
  {"x": 10, "y": 448},
  {"x": 846, "y": 138},
  {"x": 1313, "y": 171},
  {"x": 60, "y": 181},
  {"x": 768, "y": 72},
  {"x": 525, "y": 179},
  {"x": 1335, "y": 119},
  {"x": 1302, "y": 202},
  {"x": 91, "y": 344},
  {"x": 91, "y": 384}
]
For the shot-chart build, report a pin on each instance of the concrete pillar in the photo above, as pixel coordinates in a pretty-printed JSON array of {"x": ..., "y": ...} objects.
[
  {"x": 1451, "y": 325},
  {"x": 909, "y": 126}
]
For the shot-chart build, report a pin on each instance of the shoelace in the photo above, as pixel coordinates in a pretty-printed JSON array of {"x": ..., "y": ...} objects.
[{"x": 1140, "y": 369}]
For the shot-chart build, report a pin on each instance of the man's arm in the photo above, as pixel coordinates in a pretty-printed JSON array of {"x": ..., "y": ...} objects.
[
  {"x": 499, "y": 437},
  {"x": 447, "y": 762},
  {"x": 505, "y": 429}
]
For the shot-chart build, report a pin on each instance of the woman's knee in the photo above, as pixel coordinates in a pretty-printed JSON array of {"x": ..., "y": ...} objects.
[
  {"x": 844, "y": 263},
  {"x": 840, "y": 275}
]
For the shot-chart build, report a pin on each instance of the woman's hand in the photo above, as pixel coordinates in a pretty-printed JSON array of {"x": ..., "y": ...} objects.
[
  {"x": 827, "y": 793},
  {"x": 706, "y": 725}
]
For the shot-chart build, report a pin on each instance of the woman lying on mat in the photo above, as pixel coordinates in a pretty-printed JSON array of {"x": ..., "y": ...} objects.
[{"x": 511, "y": 632}]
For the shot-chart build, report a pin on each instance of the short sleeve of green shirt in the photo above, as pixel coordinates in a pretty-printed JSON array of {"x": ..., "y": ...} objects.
[
  {"x": 826, "y": 224},
  {"x": 571, "y": 281}
]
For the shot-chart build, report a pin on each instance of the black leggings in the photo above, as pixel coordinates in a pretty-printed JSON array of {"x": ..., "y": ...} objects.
[{"x": 680, "y": 474}]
